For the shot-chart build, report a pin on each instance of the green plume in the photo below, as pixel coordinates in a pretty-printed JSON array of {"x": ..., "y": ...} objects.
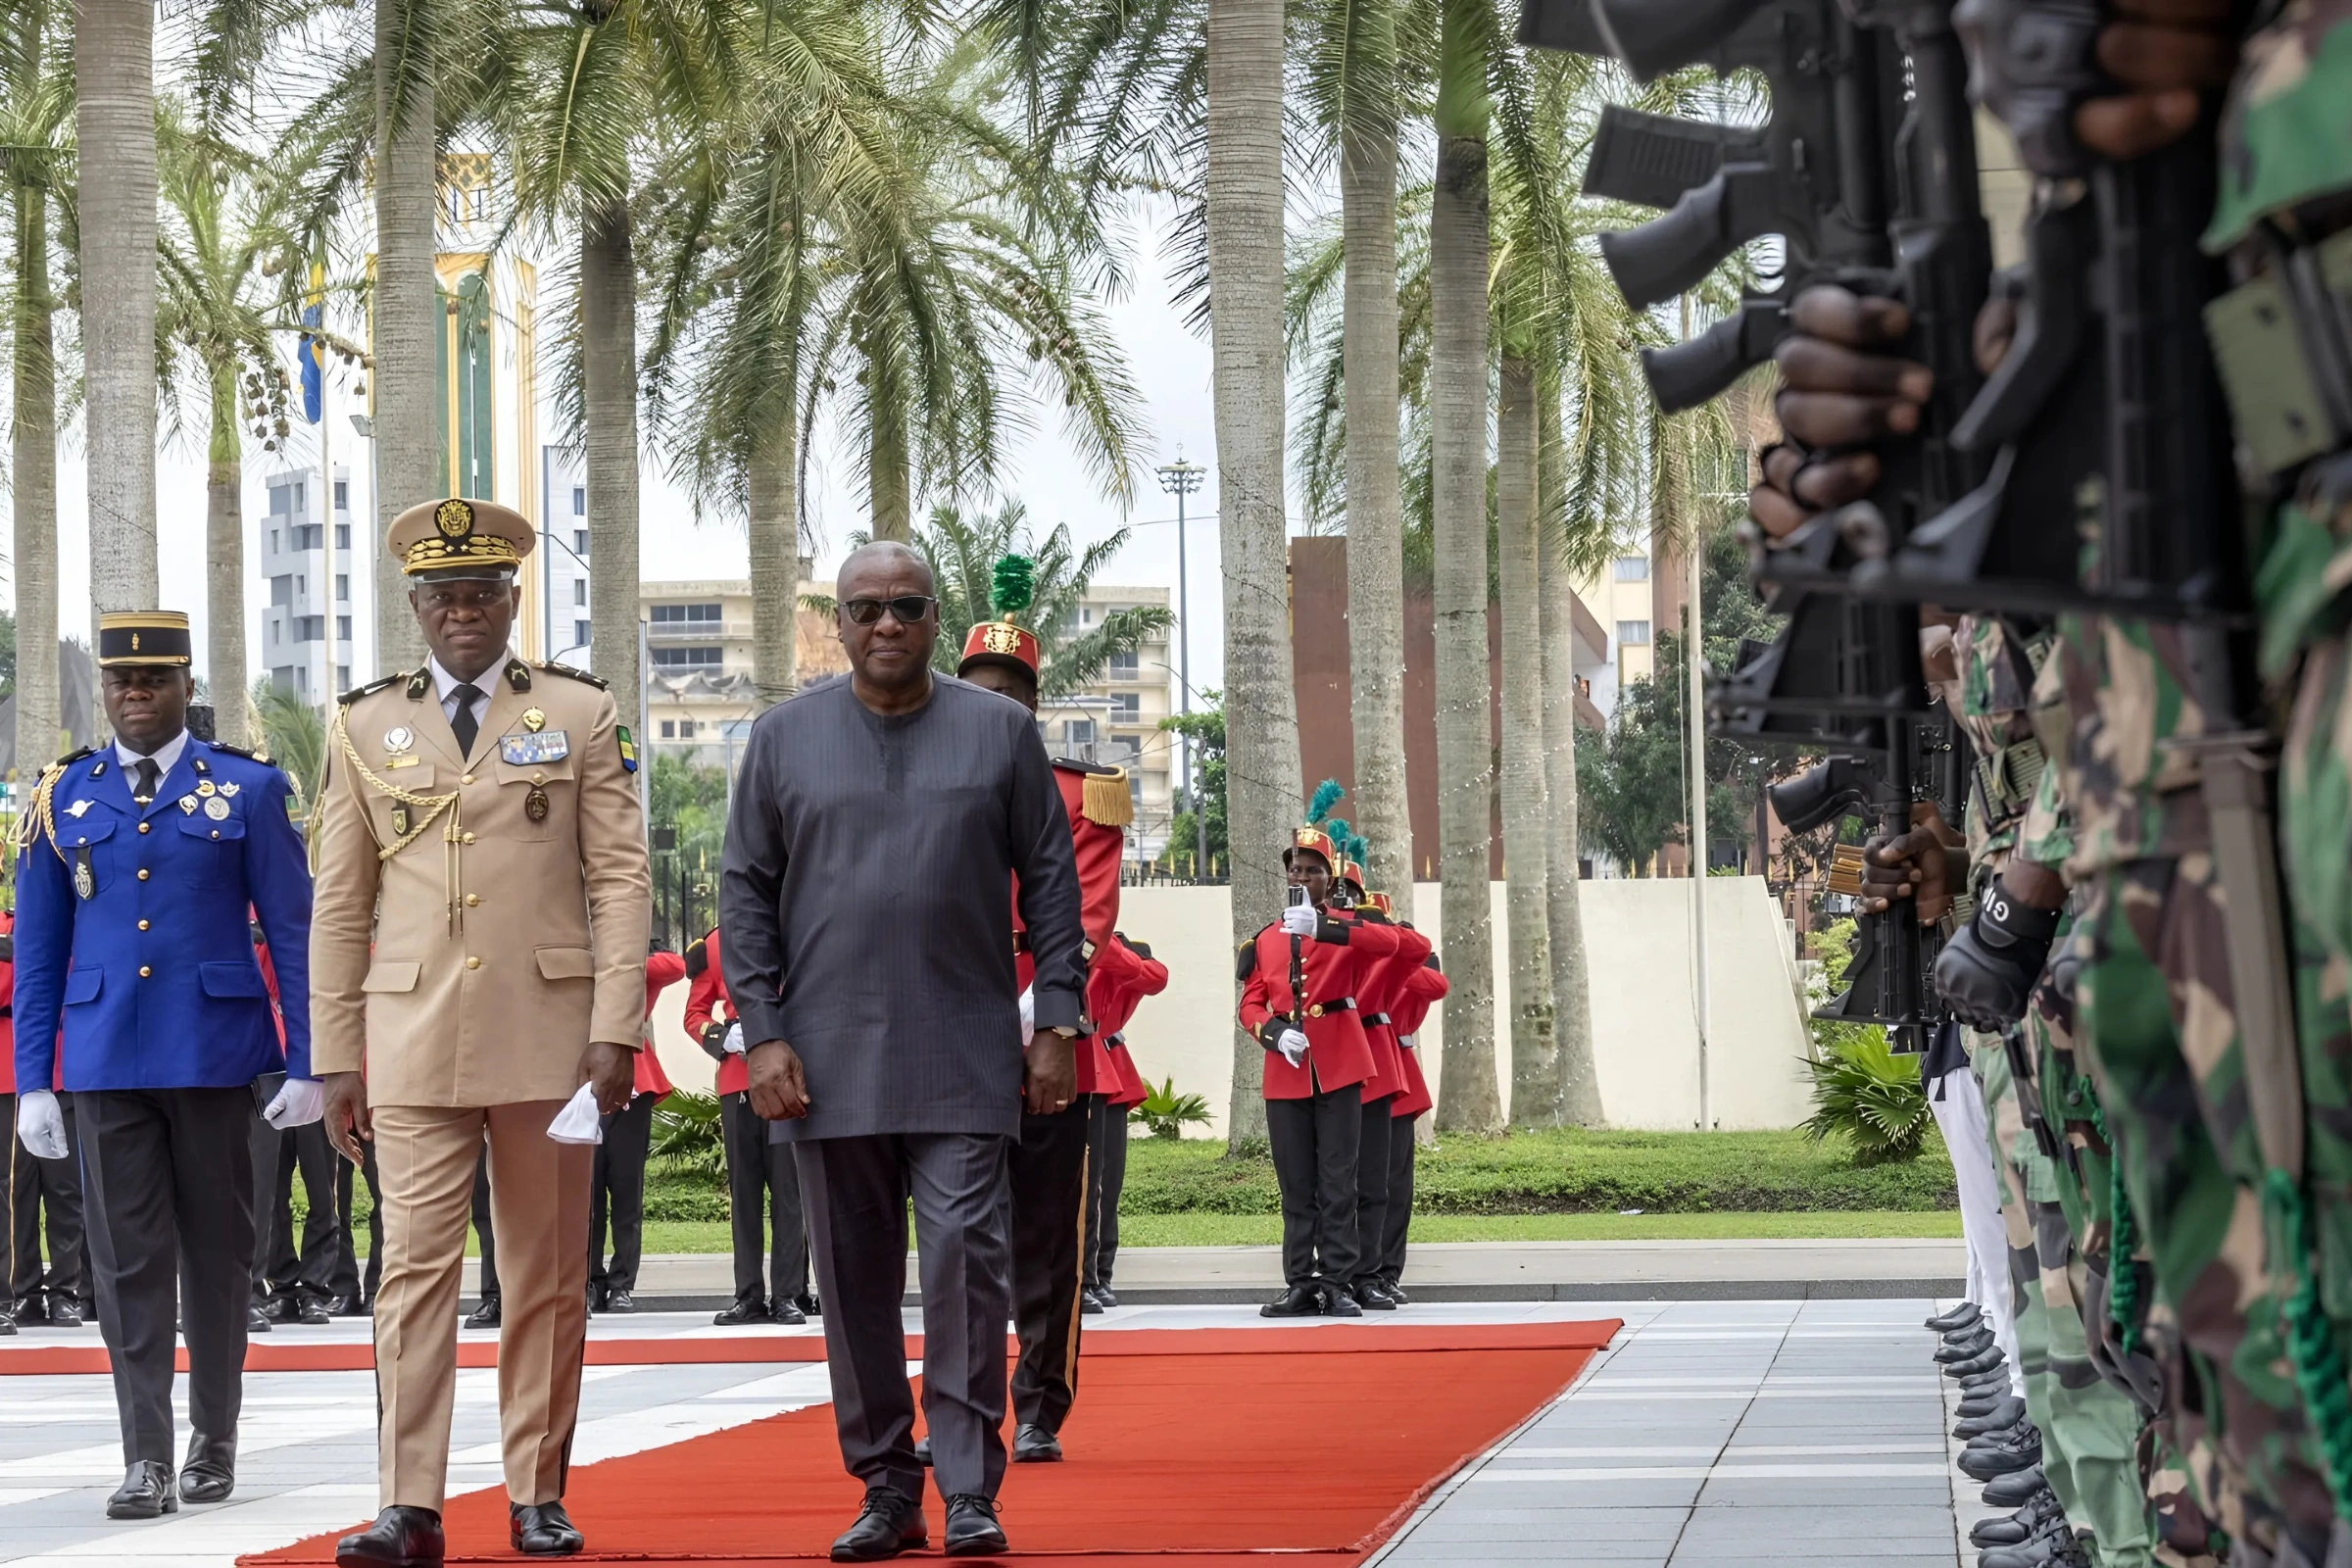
[
  {"x": 1012, "y": 585},
  {"x": 1327, "y": 796}
]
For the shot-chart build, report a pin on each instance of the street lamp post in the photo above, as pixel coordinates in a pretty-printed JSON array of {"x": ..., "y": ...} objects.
[{"x": 1180, "y": 479}]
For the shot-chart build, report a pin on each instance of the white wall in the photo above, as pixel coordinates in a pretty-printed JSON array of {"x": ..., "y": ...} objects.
[{"x": 1637, "y": 950}]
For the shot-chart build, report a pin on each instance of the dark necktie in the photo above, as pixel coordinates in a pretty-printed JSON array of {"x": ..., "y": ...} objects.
[
  {"x": 463, "y": 725},
  {"x": 144, "y": 790}
]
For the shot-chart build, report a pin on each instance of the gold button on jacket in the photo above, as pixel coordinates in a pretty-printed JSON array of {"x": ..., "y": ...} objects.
[{"x": 567, "y": 951}]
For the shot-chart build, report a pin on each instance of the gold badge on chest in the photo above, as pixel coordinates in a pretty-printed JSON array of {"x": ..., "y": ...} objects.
[
  {"x": 533, "y": 720},
  {"x": 535, "y": 804}
]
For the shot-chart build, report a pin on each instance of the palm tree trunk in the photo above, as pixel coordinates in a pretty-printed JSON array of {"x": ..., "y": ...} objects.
[
  {"x": 32, "y": 458},
  {"x": 409, "y": 323},
  {"x": 1245, "y": 197},
  {"x": 889, "y": 486},
  {"x": 1469, "y": 1096},
  {"x": 1375, "y": 509},
  {"x": 775, "y": 526},
  {"x": 1578, "y": 1094},
  {"x": 114, "y": 78},
  {"x": 225, "y": 563},
  {"x": 1526, "y": 812},
  {"x": 609, "y": 405}
]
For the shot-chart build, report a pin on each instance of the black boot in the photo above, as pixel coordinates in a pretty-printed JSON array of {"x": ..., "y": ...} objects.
[
  {"x": 145, "y": 1494},
  {"x": 542, "y": 1529},
  {"x": 210, "y": 1474},
  {"x": 2016, "y": 1488},
  {"x": 2019, "y": 1526},
  {"x": 400, "y": 1538},
  {"x": 891, "y": 1522},
  {"x": 2001, "y": 1453},
  {"x": 972, "y": 1528},
  {"x": 2005, "y": 1413}
]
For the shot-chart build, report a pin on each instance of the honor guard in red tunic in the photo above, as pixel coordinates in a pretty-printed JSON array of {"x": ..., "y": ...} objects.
[
  {"x": 1049, "y": 1165},
  {"x": 1124, "y": 973},
  {"x": 763, "y": 1186},
  {"x": 1422, "y": 987},
  {"x": 1374, "y": 1157},
  {"x": 1299, "y": 977}
]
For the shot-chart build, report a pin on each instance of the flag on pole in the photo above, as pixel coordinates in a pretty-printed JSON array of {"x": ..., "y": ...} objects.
[{"x": 314, "y": 349}]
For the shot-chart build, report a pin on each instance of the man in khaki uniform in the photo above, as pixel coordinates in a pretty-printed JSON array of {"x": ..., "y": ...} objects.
[{"x": 479, "y": 950}]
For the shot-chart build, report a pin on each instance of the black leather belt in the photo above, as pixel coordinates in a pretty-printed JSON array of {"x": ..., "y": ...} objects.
[
  {"x": 1316, "y": 1009},
  {"x": 1380, "y": 1019}
]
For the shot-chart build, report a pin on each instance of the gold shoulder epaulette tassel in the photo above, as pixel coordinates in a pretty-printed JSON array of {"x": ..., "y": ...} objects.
[{"x": 1104, "y": 799}]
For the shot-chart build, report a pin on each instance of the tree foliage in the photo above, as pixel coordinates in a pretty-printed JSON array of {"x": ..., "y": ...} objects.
[{"x": 1204, "y": 728}]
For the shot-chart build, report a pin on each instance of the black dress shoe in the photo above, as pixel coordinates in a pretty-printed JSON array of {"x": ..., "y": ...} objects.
[
  {"x": 210, "y": 1473},
  {"x": 738, "y": 1313},
  {"x": 619, "y": 1301},
  {"x": 808, "y": 1303},
  {"x": 972, "y": 1528},
  {"x": 1108, "y": 1298},
  {"x": 1371, "y": 1297},
  {"x": 1088, "y": 1305},
  {"x": 787, "y": 1313},
  {"x": 1959, "y": 1317},
  {"x": 1966, "y": 1348},
  {"x": 889, "y": 1523},
  {"x": 257, "y": 1321},
  {"x": 400, "y": 1538},
  {"x": 8, "y": 1324},
  {"x": 2005, "y": 1413},
  {"x": 2016, "y": 1488},
  {"x": 146, "y": 1493},
  {"x": 542, "y": 1529},
  {"x": 1339, "y": 1303},
  {"x": 1983, "y": 1363},
  {"x": 312, "y": 1312},
  {"x": 1031, "y": 1444},
  {"x": 484, "y": 1317},
  {"x": 65, "y": 1315},
  {"x": 342, "y": 1306},
  {"x": 1299, "y": 1300},
  {"x": 922, "y": 1451}
]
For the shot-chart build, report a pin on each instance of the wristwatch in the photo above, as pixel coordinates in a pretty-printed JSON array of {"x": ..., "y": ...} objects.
[{"x": 1065, "y": 1031}]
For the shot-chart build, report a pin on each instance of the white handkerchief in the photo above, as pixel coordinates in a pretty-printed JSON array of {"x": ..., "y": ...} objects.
[{"x": 578, "y": 1123}]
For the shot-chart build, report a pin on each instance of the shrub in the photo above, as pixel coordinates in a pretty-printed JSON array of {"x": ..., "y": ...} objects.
[
  {"x": 1872, "y": 1098},
  {"x": 687, "y": 1140},
  {"x": 1167, "y": 1113}
]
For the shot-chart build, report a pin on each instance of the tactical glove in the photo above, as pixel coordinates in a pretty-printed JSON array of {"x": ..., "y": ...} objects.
[{"x": 1985, "y": 973}]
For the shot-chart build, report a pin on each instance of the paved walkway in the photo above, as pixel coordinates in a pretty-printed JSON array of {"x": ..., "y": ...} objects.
[
  {"x": 1731, "y": 1433},
  {"x": 1484, "y": 1271}
]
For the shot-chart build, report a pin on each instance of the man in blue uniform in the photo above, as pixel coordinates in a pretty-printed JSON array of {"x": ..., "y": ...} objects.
[{"x": 135, "y": 869}]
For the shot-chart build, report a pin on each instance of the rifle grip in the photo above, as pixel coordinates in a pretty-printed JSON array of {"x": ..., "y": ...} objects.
[
  {"x": 1686, "y": 374},
  {"x": 1667, "y": 257}
]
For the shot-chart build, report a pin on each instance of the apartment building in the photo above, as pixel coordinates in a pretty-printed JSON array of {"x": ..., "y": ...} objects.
[
  {"x": 307, "y": 596},
  {"x": 560, "y": 569},
  {"x": 700, "y": 698},
  {"x": 1623, "y": 598},
  {"x": 1116, "y": 719}
]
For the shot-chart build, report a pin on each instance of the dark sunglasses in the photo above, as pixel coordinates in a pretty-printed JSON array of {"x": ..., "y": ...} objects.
[{"x": 907, "y": 609}]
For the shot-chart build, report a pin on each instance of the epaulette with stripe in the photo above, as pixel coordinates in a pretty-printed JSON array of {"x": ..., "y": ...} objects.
[
  {"x": 239, "y": 750},
  {"x": 376, "y": 685},
  {"x": 571, "y": 674},
  {"x": 697, "y": 959}
]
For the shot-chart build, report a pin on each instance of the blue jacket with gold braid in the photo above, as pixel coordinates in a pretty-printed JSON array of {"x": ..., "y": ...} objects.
[{"x": 131, "y": 928}]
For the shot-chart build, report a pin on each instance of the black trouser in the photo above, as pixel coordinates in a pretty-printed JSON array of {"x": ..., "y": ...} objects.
[
  {"x": 617, "y": 1191},
  {"x": 346, "y": 1280},
  {"x": 1371, "y": 1188},
  {"x": 1400, "y": 1217},
  {"x": 310, "y": 1272},
  {"x": 170, "y": 1202},
  {"x": 38, "y": 1187},
  {"x": 763, "y": 1190},
  {"x": 1047, "y": 1184},
  {"x": 1105, "y": 1176},
  {"x": 481, "y": 1224},
  {"x": 1313, "y": 1142}
]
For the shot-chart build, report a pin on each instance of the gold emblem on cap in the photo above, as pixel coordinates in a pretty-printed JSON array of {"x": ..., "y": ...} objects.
[
  {"x": 135, "y": 642},
  {"x": 1001, "y": 637},
  {"x": 454, "y": 517},
  {"x": 533, "y": 719}
]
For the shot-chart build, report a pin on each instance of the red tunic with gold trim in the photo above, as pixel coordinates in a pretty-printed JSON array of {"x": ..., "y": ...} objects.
[
  {"x": 707, "y": 1004},
  {"x": 1422, "y": 987},
  {"x": 1124, "y": 974},
  {"x": 662, "y": 971},
  {"x": 1335, "y": 962},
  {"x": 1095, "y": 797},
  {"x": 1377, "y": 993}
]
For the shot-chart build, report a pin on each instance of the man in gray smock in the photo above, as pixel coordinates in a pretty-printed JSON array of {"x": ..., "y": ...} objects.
[{"x": 879, "y": 822}]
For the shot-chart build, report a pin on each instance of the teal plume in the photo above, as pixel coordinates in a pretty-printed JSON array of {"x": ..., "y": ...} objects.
[
  {"x": 1336, "y": 827},
  {"x": 1327, "y": 796},
  {"x": 1012, "y": 585}
]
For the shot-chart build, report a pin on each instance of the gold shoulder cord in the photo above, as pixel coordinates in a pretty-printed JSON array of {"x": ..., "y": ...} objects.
[
  {"x": 40, "y": 820},
  {"x": 433, "y": 807}
]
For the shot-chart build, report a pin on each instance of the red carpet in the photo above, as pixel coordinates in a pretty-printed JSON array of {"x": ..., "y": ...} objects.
[{"x": 1221, "y": 1447}]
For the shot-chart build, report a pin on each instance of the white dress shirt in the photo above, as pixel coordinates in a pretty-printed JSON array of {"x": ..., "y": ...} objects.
[
  {"x": 445, "y": 684},
  {"x": 167, "y": 758}
]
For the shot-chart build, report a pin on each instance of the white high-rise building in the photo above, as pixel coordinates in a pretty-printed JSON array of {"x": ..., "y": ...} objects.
[{"x": 306, "y": 620}]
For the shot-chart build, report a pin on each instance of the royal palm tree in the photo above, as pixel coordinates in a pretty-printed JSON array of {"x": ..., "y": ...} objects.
[
  {"x": 405, "y": 301},
  {"x": 37, "y": 124},
  {"x": 1527, "y": 821},
  {"x": 113, "y": 80},
  {"x": 1576, "y": 1098}
]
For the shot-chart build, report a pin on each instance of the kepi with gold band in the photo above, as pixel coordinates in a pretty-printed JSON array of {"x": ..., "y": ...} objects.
[
  {"x": 130, "y": 637},
  {"x": 456, "y": 537}
]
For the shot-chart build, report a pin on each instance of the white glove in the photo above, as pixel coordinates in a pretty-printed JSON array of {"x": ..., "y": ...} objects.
[
  {"x": 732, "y": 1045},
  {"x": 1028, "y": 1012},
  {"x": 1293, "y": 1045},
  {"x": 579, "y": 1121},
  {"x": 41, "y": 1124},
  {"x": 300, "y": 1103},
  {"x": 1298, "y": 919}
]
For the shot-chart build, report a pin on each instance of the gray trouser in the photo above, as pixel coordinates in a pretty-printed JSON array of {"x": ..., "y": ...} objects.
[{"x": 855, "y": 1192}]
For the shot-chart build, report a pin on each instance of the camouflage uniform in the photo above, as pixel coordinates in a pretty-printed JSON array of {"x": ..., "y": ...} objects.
[
  {"x": 2089, "y": 1429},
  {"x": 2156, "y": 1026}
]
